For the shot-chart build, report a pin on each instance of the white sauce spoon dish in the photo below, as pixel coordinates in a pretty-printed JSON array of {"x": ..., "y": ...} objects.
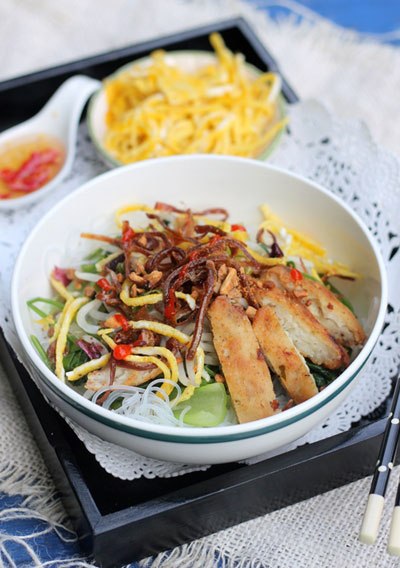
[{"x": 57, "y": 121}]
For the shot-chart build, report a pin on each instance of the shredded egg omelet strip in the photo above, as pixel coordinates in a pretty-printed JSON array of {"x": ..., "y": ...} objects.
[
  {"x": 303, "y": 246},
  {"x": 68, "y": 316},
  {"x": 158, "y": 108},
  {"x": 151, "y": 298},
  {"x": 88, "y": 367}
]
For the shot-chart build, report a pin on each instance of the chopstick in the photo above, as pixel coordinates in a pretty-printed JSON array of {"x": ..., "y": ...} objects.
[
  {"x": 394, "y": 535},
  {"x": 383, "y": 468}
]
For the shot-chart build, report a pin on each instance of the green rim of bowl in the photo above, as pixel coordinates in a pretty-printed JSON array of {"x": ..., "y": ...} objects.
[
  {"x": 114, "y": 163},
  {"x": 202, "y": 439}
]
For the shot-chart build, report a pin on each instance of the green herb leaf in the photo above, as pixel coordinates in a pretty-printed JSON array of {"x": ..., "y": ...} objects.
[
  {"x": 41, "y": 352},
  {"x": 53, "y": 303},
  {"x": 116, "y": 404},
  {"x": 150, "y": 292},
  {"x": 322, "y": 376},
  {"x": 208, "y": 406},
  {"x": 74, "y": 355},
  {"x": 89, "y": 268},
  {"x": 212, "y": 370},
  {"x": 340, "y": 296},
  {"x": 306, "y": 275},
  {"x": 97, "y": 255}
]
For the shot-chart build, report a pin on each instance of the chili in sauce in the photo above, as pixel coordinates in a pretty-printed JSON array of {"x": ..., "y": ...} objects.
[{"x": 28, "y": 165}]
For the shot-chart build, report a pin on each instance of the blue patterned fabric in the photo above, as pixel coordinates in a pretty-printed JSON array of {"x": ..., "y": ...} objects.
[
  {"x": 373, "y": 17},
  {"x": 22, "y": 529}
]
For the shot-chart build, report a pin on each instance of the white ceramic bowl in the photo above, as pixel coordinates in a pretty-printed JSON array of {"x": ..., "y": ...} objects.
[
  {"x": 201, "y": 181},
  {"x": 187, "y": 60}
]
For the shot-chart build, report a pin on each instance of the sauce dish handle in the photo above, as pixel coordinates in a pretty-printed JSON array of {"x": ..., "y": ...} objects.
[{"x": 65, "y": 106}]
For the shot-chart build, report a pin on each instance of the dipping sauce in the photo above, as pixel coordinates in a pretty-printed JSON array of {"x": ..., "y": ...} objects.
[{"x": 29, "y": 164}]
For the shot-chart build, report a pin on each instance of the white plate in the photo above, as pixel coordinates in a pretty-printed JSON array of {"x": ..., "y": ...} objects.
[{"x": 186, "y": 60}]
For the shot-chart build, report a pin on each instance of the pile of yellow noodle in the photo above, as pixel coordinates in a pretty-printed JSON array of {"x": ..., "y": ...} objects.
[{"x": 159, "y": 109}]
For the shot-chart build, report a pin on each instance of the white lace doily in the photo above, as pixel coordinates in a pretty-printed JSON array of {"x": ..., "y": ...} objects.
[{"x": 340, "y": 156}]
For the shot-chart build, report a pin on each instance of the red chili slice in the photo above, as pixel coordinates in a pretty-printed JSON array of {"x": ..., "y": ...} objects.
[
  {"x": 122, "y": 351},
  {"x": 170, "y": 308},
  {"x": 194, "y": 255},
  {"x": 33, "y": 173},
  {"x": 104, "y": 284},
  {"x": 296, "y": 275},
  {"x": 127, "y": 234},
  {"x": 214, "y": 240},
  {"x": 122, "y": 321},
  {"x": 238, "y": 228}
]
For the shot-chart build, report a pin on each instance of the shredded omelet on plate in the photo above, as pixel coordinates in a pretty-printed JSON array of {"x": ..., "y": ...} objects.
[{"x": 158, "y": 108}]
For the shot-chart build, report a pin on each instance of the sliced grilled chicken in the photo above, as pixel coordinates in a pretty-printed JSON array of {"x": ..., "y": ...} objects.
[
  {"x": 341, "y": 323},
  {"x": 132, "y": 377},
  {"x": 308, "y": 335},
  {"x": 283, "y": 357},
  {"x": 243, "y": 364}
]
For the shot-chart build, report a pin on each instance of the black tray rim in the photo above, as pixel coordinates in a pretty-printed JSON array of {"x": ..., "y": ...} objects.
[{"x": 72, "y": 66}]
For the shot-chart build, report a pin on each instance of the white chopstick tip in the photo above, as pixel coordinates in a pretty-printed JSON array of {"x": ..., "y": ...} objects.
[
  {"x": 372, "y": 518},
  {"x": 394, "y": 535}
]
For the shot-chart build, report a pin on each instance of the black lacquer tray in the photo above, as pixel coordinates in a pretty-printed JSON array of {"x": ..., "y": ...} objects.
[{"x": 121, "y": 521}]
